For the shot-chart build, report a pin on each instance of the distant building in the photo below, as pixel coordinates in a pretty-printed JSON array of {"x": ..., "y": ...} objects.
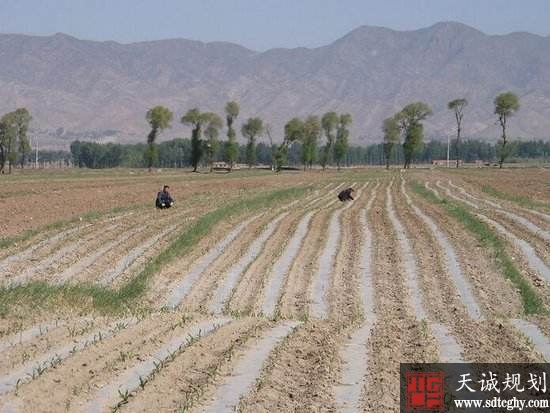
[
  {"x": 220, "y": 166},
  {"x": 443, "y": 162}
]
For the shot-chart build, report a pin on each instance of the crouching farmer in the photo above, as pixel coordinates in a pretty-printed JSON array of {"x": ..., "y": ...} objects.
[
  {"x": 345, "y": 195},
  {"x": 164, "y": 199}
]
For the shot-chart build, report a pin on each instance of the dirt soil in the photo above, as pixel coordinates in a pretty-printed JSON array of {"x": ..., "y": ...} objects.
[{"x": 300, "y": 373}]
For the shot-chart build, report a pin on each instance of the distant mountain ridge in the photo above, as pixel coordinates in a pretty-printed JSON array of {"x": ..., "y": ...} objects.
[{"x": 101, "y": 90}]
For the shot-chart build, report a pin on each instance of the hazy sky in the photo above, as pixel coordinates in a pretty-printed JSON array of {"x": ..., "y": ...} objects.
[{"x": 261, "y": 24}]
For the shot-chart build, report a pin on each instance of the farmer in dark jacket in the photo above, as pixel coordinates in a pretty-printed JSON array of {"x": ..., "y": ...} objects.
[
  {"x": 164, "y": 199},
  {"x": 345, "y": 195}
]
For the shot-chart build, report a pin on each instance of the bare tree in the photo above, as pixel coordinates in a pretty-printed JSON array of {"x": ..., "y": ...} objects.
[
  {"x": 506, "y": 104},
  {"x": 392, "y": 132},
  {"x": 457, "y": 106}
]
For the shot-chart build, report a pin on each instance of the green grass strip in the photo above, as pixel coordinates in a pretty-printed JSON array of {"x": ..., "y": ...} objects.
[
  {"x": 532, "y": 304},
  {"x": 107, "y": 300},
  {"x": 518, "y": 199}
]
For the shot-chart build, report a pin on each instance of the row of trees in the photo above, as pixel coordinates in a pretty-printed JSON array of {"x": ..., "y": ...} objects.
[
  {"x": 14, "y": 142},
  {"x": 210, "y": 123},
  {"x": 304, "y": 134},
  {"x": 176, "y": 153},
  {"x": 307, "y": 132},
  {"x": 408, "y": 122},
  {"x": 160, "y": 118}
]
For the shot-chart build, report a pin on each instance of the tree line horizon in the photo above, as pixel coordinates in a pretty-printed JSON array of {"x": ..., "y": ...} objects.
[
  {"x": 305, "y": 133},
  {"x": 308, "y": 132},
  {"x": 334, "y": 127},
  {"x": 176, "y": 153}
]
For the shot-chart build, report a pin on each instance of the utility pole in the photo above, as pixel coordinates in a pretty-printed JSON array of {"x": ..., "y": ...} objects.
[
  {"x": 268, "y": 133},
  {"x": 36, "y": 153},
  {"x": 448, "y": 150}
]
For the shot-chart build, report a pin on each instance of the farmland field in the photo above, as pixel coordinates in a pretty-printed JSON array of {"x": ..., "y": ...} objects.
[{"x": 260, "y": 292}]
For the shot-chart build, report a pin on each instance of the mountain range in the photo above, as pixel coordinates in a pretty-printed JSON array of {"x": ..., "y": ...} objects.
[{"x": 101, "y": 90}]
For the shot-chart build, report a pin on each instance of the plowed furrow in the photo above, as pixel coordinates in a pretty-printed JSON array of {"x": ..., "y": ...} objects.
[
  {"x": 517, "y": 219},
  {"x": 71, "y": 256},
  {"x": 536, "y": 238},
  {"x": 46, "y": 242},
  {"x": 408, "y": 258},
  {"x": 40, "y": 266},
  {"x": 531, "y": 213},
  {"x": 294, "y": 299},
  {"x": 300, "y": 375},
  {"x": 397, "y": 336},
  {"x": 497, "y": 295},
  {"x": 527, "y": 249},
  {"x": 183, "y": 287},
  {"x": 224, "y": 288},
  {"x": 348, "y": 392},
  {"x": 79, "y": 378},
  {"x": 473, "y": 198},
  {"x": 449, "y": 349},
  {"x": 342, "y": 297},
  {"x": 142, "y": 250},
  {"x": 281, "y": 267},
  {"x": 109, "y": 396},
  {"x": 246, "y": 371},
  {"x": 319, "y": 305},
  {"x": 29, "y": 334},
  {"x": 252, "y": 281},
  {"x": 430, "y": 188},
  {"x": 535, "y": 336},
  {"x": 198, "y": 290},
  {"x": 452, "y": 195},
  {"x": 33, "y": 248},
  {"x": 463, "y": 286},
  {"x": 192, "y": 375},
  {"x": 89, "y": 267},
  {"x": 206, "y": 272},
  {"x": 32, "y": 343},
  {"x": 85, "y": 262},
  {"x": 458, "y": 333},
  {"x": 33, "y": 369}
]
